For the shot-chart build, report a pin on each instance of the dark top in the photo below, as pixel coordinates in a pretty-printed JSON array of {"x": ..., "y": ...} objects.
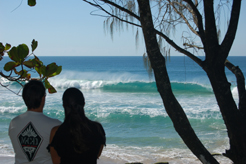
[{"x": 63, "y": 144}]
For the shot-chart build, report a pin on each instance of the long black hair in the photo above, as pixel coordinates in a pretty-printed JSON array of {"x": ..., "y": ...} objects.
[{"x": 73, "y": 103}]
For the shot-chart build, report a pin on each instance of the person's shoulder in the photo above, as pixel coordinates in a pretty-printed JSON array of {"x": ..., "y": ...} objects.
[
  {"x": 50, "y": 120},
  {"x": 95, "y": 123},
  {"x": 53, "y": 132},
  {"x": 18, "y": 117},
  {"x": 54, "y": 129},
  {"x": 98, "y": 126}
]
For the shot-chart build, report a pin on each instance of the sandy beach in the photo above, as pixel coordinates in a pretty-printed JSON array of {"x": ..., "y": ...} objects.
[{"x": 104, "y": 160}]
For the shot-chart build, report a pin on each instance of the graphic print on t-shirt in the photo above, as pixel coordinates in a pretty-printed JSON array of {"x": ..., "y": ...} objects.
[{"x": 30, "y": 141}]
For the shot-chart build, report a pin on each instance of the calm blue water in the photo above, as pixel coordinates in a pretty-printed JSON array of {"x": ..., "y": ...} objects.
[{"x": 120, "y": 94}]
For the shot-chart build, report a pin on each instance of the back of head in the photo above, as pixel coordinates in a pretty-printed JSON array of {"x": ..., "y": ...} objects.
[
  {"x": 73, "y": 101},
  {"x": 32, "y": 94}
]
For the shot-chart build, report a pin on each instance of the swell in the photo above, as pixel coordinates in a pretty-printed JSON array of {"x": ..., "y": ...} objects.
[{"x": 130, "y": 86}]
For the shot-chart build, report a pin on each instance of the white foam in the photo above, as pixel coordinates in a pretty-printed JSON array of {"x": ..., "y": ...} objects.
[
  {"x": 11, "y": 109},
  {"x": 154, "y": 154},
  {"x": 235, "y": 92},
  {"x": 105, "y": 76}
]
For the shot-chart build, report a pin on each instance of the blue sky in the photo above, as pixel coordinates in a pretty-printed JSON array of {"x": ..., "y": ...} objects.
[{"x": 65, "y": 28}]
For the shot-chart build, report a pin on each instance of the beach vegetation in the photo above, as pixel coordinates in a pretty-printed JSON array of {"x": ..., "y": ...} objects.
[{"x": 22, "y": 63}]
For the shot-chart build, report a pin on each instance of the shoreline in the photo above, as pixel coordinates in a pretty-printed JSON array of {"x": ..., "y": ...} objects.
[{"x": 104, "y": 160}]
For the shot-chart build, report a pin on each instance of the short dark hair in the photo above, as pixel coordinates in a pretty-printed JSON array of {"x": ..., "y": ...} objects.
[{"x": 32, "y": 93}]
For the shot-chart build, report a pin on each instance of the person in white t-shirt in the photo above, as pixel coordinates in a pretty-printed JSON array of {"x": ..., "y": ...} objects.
[{"x": 30, "y": 131}]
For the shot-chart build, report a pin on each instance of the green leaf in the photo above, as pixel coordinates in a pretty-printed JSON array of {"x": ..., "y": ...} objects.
[
  {"x": 23, "y": 73},
  {"x": 13, "y": 54},
  {"x": 51, "y": 69},
  {"x": 39, "y": 63},
  {"x": 18, "y": 53},
  {"x": 29, "y": 63},
  {"x": 46, "y": 83},
  {"x": 7, "y": 47},
  {"x": 50, "y": 88},
  {"x": 9, "y": 66},
  {"x": 1, "y": 47},
  {"x": 41, "y": 70},
  {"x": 31, "y": 2},
  {"x": 23, "y": 51},
  {"x": 34, "y": 44},
  {"x": 58, "y": 71}
]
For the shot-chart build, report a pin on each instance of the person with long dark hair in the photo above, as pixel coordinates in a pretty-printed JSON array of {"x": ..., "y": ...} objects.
[{"x": 78, "y": 139}]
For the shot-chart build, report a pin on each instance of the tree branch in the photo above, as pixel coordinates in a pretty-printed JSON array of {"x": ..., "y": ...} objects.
[
  {"x": 9, "y": 89},
  {"x": 178, "y": 48},
  {"x": 240, "y": 85},
  {"x": 231, "y": 32},
  {"x": 192, "y": 46},
  {"x": 199, "y": 20},
  {"x": 122, "y": 9},
  {"x": 211, "y": 37},
  {"x": 183, "y": 17},
  {"x": 101, "y": 8}
]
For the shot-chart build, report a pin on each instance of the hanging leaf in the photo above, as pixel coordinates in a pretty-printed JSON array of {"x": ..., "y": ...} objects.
[
  {"x": 50, "y": 88},
  {"x": 31, "y": 2},
  {"x": 29, "y": 63},
  {"x": 9, "y": 66}
]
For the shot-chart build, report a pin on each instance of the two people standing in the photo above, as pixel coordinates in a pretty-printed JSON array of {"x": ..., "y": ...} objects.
[{"x": 76, "y": 140}]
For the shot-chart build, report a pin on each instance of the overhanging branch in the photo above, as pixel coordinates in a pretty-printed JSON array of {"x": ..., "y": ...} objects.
[
  {"x": 112, "y": 15},
  {"x": 199, "y": 19},
  {"x": 178, "y": 48}
]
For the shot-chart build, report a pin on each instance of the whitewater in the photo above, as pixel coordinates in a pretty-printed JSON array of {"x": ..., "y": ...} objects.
[{"x": 120, "y": 94}]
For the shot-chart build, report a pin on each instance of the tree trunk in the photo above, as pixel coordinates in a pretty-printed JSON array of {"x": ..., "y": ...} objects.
[
  {"x": 172, "y": 106},
  {"x": 233, "y": 118}
]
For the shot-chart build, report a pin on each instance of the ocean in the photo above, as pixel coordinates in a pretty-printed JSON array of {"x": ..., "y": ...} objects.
[{"x": 123, "y": 97}]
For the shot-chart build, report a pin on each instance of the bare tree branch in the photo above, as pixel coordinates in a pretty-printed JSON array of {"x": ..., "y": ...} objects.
[
  {"x": 178, "y": 48},
  {"x": 199, "y": 19},
  {"x": 192, "y": 46},
  {"x": 183, "y": 17},
  {"x": 231, "y": 32}
]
